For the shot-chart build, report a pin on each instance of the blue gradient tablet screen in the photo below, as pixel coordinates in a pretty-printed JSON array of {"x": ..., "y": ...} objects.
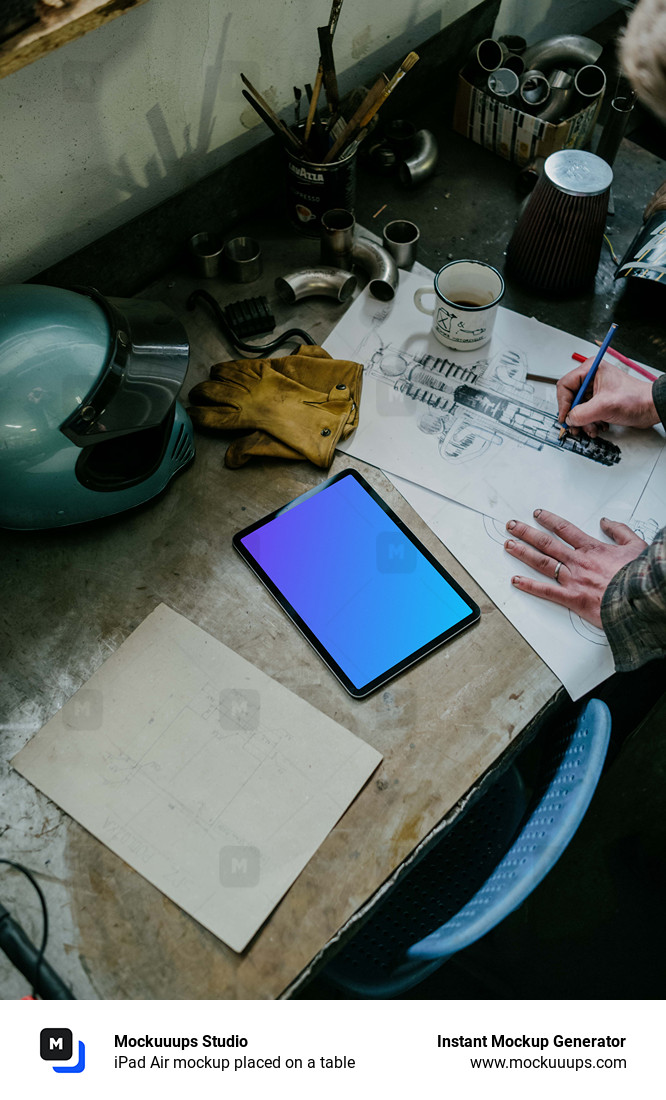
[{"x": 365, "y": 590}]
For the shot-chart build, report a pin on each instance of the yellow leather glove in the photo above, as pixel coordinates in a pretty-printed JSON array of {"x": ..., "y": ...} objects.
[{"x": 300, "y": 406}]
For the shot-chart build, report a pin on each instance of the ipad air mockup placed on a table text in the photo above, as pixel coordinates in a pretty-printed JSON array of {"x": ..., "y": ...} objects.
[{"x": 357, "y": 583}]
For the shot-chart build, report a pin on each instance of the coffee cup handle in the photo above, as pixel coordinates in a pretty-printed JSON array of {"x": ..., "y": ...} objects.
[{"x": 418, "y": 296}]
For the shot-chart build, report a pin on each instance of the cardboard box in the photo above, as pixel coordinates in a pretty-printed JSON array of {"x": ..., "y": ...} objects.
[{"x": 515, "y": 134}]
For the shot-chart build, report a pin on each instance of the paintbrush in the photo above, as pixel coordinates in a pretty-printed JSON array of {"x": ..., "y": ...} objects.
[
  {"x": 355, "y": 121},
  {"x": 329, "y": 77},
  {"x": 270, "y": 118},
  {"x": 314, "y": 99},
  {"x": 271, "y": 121},
  {"x": 590, "y": 375},
  {"x": 408, "y": 63},
  {"x": 297, "y": 106}
]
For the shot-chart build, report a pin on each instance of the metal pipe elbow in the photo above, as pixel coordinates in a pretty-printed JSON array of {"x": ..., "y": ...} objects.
[
  {"x": 421, "y": 163},
  {"x": 561, "y": 92},
  {"x": 380, "y": 267},
  {"x": 561, "y": 51},
  {"x": 311, "y": 282}
]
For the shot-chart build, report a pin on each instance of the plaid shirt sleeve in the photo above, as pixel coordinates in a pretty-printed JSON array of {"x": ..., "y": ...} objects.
[{"x": 633, "y": 609}]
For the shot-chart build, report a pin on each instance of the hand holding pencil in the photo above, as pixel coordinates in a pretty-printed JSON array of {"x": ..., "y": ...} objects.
[{"x": 615, "y": 398}]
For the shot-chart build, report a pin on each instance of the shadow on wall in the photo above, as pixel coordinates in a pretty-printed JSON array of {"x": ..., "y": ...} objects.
[
  {"x": 570, "y": 17},
  {"x": 103, "y": 193}
]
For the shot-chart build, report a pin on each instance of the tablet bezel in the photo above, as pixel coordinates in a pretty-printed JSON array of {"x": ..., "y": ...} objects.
[{"x": 395, "y": 670}]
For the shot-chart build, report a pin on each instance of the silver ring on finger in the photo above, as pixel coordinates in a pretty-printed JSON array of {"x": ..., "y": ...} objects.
[{"x": 557, "y": 571}]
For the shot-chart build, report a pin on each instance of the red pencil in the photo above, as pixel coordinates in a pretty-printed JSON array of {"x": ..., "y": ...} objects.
[{"x": 622, "y": 358}]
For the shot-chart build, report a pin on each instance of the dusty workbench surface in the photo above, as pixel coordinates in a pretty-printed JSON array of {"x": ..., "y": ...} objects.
[{"x": 70, "y": 597}]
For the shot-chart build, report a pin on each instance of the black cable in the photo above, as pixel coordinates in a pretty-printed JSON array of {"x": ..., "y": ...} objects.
[
  {"x": 45, "y": 919},
  {"x": 231, "y": 336},
  {"x": 22, "y": 952}
]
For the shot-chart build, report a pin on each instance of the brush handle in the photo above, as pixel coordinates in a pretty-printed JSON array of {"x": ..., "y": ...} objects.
[
  {"x": 334, "y": 16},
  {"x": 314, "y": 99},
  {"x": 276, "y": 124},
  {"x": 359, "y": 114},
  {"x": 389, "y": 87},
  {"x": 273, "y": 122},
  {"x": 328, "y": 68}
]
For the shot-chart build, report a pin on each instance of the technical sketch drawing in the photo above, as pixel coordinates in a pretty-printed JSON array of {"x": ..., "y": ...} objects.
[
  {"x": 646, "y": 529},
  {"x": 472, "y": 426},
  {"x": 472, "y": 408}
]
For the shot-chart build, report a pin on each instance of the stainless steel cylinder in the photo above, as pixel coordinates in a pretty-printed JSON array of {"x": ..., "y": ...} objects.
[
  {"x": 488, "y": 54},
  {"x": 242, "y": 256},
  {"x": 561, "y": 92},
  {"x": 337, "y": 238},
  {"x": 615, "y": 125},
  {"x": 205, "y": 252},
  {"x": 590, "y": 81},
  {"x": 401, "y": 239},
  {"x": 534, "y": 88},
  {"x": 514, "y": 61},
  {"x": 503, "y": 82}
]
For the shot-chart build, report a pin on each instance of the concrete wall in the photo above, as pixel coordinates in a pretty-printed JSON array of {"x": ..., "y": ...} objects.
[{"x": 108, "y": 126}]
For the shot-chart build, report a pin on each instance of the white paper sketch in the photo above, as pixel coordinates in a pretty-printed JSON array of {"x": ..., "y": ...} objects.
[
  {"x": 470, "y": 427},
  {"x": 576, "y": 651},
  {"x": 471, "y": 408},
  {"x": 213, "y": 781}
]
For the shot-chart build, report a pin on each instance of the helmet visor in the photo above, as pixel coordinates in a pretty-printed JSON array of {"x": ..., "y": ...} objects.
[{"x": 143, "y": 373}]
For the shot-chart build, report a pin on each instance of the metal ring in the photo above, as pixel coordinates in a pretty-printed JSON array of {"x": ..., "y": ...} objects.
[{"x": 557, "y": 570}]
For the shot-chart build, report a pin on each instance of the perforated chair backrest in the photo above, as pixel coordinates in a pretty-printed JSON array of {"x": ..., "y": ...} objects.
[{"x": 571, "y": 774}]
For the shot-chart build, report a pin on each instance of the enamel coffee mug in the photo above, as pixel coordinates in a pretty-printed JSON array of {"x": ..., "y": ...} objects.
[{"x": 467, "y": 294}]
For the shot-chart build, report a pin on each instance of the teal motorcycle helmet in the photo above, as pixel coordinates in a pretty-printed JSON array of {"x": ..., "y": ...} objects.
[{"x": 90, "y": 424}]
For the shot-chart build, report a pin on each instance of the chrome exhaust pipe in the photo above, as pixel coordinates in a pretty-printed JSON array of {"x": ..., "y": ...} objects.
[
  {"x": 562, "y": 52},
  {"x": 420, "y": 164},
  {"x": 590, "y": 82},
  {"x": 534, "y": 89},
  {"x": 316, "y": 282},
  {"x": 561, "y": 92},
  {"x": 380, "y": 267}
]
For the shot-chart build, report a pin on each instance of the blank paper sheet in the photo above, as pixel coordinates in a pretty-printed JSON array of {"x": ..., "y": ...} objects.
[{"x": 210, "y": 779}]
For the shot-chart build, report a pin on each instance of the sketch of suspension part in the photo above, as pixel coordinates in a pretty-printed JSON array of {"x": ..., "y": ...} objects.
[
  {"x": 398, "y": 367},
  {"x": 534, "y": 427},
  {"x": 472, "y": 420}
]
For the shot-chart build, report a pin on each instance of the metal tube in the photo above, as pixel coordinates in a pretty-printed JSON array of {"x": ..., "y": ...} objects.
[
  {"x": 503, "y": 83},
  {"x": 514, "y": 61},
  {"x": 380, "y": 267},
  {"x": 534, "y": 88},
  {"x": 310, "y": 282},
  {"x": 561, "y": 51},
  {"x": 561, "y": 91},
  {"x": 421, "y": 164},
  {"x": 590, "y": 81},
  {"x": 337, "y": 238},
  {"x": 488, "y": 54},
  {"x": 614, "y": 127}
]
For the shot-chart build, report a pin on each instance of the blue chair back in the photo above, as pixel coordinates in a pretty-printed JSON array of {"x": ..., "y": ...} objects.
[{"x": 379, "y": 962}]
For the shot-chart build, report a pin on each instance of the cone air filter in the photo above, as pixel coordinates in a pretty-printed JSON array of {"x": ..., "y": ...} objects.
[{"x": 557, "y": 241}]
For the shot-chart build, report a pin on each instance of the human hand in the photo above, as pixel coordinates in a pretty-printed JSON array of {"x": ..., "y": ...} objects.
[
  {"x": 582, "y": 565},
  {"x": 616, "y": 398}
]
